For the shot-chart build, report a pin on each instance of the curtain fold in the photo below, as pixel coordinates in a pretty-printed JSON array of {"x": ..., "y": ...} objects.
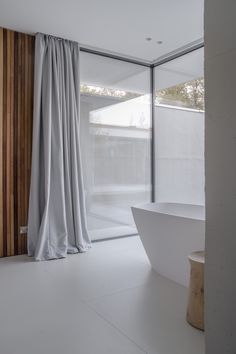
[{"x": 57, "y": 218}]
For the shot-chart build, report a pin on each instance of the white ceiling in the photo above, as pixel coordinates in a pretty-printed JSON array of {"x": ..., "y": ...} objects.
[
  {"x": 183, "y": 69},
  {"x": 117, "y": 74},
  {"x": 110, "y": 25}
]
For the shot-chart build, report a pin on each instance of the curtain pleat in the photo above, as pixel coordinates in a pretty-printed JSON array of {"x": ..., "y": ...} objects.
[{"x": 57, "y": 219}]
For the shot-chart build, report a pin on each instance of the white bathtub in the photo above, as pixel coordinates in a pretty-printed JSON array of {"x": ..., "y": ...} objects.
[{"x": 169, "y": 233}]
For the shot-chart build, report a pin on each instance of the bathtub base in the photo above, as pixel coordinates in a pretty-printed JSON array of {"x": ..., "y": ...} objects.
[{"x": 168, "y": 239}]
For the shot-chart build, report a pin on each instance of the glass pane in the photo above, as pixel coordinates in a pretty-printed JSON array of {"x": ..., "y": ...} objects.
[
  {"x": 115, "y": 134},
  {"x": 179, "y": 130}
]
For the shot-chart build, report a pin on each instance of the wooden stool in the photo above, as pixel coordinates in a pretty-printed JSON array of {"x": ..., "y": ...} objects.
[{"x": 195, "y": 310}]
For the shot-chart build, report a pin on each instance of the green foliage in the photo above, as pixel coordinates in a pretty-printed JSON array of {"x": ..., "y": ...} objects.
[
  {"x": 107, "y": 92},
  {"x": 188, "y": 94}
]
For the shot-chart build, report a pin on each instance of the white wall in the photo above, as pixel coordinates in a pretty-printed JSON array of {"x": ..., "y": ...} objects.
[{"x": 220, "y": 148}]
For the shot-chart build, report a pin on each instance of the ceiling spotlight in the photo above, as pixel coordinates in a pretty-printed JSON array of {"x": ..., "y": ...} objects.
[
  {"x": 148, "y": 39},
  {"x": 159, "y": 42}
]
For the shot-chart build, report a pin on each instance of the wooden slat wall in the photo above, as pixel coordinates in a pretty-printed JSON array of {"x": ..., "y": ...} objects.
[{"x": 16, "y": 110}]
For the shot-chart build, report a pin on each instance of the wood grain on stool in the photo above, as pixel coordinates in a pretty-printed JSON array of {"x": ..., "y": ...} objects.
[{"x": 195, "y": 310}]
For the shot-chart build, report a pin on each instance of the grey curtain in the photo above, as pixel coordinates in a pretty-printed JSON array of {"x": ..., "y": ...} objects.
[{"x": 57, "y": 220}]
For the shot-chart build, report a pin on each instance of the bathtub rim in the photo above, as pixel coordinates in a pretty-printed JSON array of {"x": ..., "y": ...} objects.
[{"x": 146, "y": 207}]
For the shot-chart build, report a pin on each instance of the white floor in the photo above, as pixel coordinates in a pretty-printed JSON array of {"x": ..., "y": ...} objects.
[{"x": 107, "y": 301}]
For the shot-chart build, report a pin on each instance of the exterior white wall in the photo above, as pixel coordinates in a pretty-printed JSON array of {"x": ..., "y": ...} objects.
[
  {"x": 179, "y": 155},
  {"x": 220, "y": 149},
  {"x": 115, "y": 142}
]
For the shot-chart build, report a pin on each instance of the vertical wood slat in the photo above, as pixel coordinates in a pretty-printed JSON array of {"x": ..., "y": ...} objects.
[
  {"x": 21, "y": 127},
  {"x": 4, "y": 145},
  {"x": 26, "y": 79},
  {"x": 1, "y": 141},
  {"x": 16, "y": 107},
  {"x": 7, "y": 140},
  {"x": 12, "y": 143},
  {"x": 18, "y": 137},
  {"x": 9, "y": 147},
  {"x": 15, "y": 118}
]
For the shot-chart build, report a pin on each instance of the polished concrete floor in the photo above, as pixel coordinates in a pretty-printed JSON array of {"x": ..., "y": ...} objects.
[{"x": 106, "y": 301}]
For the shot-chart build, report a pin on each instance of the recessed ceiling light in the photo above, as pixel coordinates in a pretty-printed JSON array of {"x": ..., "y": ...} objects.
[
  {"x": 159, "y": 42},
  {"x": 148, "y": 39}
]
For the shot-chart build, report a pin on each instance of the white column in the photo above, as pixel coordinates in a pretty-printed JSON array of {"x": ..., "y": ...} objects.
[{"x": 220, "y": 150}]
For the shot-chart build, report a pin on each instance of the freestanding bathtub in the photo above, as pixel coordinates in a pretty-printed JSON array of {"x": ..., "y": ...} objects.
[{"x": 169, "y": 233}]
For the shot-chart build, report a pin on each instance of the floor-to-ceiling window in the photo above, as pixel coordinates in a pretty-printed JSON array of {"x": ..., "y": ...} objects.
[
  {"x": 115, "y": 140},
  {"x": 179, "y": 130}
]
